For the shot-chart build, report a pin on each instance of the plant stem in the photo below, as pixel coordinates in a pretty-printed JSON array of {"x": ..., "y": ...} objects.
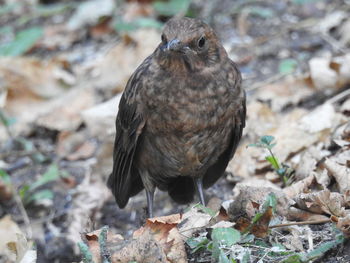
[
  {"x": 321, "y": 221},
  {"x": 274, "y": 158}
]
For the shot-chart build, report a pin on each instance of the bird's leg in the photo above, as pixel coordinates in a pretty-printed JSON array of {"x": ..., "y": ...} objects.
[
  {"x": 199, "y": 186},
  {"x": 150, "y": 195}
]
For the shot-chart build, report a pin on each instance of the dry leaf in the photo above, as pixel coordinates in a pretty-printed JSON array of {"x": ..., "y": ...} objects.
[
  {"x": 29, "y": 83},
  {"x": 5, "y": 191},
  {"x": 322, "y": 178},
  {"x": 323, "y": 77},
  {"x": 84, "y": 151},
  {"x": 248, "y": 202},
  {"x": 341, "y": 174},
  {"x": 158, "y": 240},
  {"x": 306, "y": 165},
  {"x": 322, "y": 202},
  {"x": 116, "y": 67},
  {"x": 90, "y": 12},
  {"x": 92, "y": 239},
  {"x": 89, "y": 197},
  {"x": 319, "y": 119},
  {"x": 100, "y": 119},
  {"x": 343, "y": 223},
  {"x": 192, "y": 221},
  {"x": 64, "y": 113},
  {"x": 293, "y": 241},
  {"x": 299, "y": 187},
  {"x": 13, "y": 243},
  {"x": 295, "y": 214},
  {"x": 261, "y": 227}
]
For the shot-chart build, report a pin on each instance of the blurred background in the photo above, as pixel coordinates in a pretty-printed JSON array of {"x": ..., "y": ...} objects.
[{"x": 64, "y": 64}]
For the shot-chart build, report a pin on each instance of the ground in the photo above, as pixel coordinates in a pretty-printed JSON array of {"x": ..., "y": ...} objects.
[{"x": 63, "y": 66}]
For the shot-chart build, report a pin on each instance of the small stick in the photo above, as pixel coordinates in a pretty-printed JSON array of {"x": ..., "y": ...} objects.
[
  {"x": 339, "y": 96},
  {"x": 321, "y": 221}
]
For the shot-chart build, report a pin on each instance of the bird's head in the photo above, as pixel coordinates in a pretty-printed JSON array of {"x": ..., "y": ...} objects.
[{"x": 188, "y": 45}]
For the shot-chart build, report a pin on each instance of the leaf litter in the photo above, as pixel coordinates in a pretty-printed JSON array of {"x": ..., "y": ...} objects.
[{"x": 73, "y": 94}]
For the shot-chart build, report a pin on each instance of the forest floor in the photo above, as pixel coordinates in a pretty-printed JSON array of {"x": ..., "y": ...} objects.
[{"x": 63, "y": 66}]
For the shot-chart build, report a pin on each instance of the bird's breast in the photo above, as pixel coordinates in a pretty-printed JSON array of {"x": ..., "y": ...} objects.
[{"x": 189, "y": 123}]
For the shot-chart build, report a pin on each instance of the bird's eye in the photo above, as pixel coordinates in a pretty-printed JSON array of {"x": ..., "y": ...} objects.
[
  {"x": 164, "y": 40},
  {"x": 201, "y": 42}
]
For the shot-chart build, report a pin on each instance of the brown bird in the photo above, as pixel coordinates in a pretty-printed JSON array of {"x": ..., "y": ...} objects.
[{"x": 180, "y": 117}]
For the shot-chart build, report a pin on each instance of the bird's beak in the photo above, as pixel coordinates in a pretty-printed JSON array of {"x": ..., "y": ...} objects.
[{"x": 175, "y": 45}]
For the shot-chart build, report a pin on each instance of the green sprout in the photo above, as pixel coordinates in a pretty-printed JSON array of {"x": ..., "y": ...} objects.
[{"x": 267, "y": 142}]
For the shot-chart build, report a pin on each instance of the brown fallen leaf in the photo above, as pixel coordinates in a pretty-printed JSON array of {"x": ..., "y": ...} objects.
[
  {"x": 64, "y": 113},
  {"x": 296, "y": 214},
  {"x": 250, "y": 198},
  {"x": 92, "y": 240},
  {"x": 307, "y": 163},
  {"x": 299, "y": 187},
  {"x": 126, "y": 54},
  {"x": 343, "y": 223},
  {"x": 5, "y": 191},
  {"x": 192, "y": 221},
  {"x": 341, "y": 174},
  {"x": 158, "y": 240},
  {"x": 84, "y": 151},
  {"x": 242, "y": 224},
  {"x": 322, "y": 75},
  {"x": 100, "y": 118},
  {"x": 72, "y": 143},
  {"x": 261, "y": 227},
  {"x": 321, "y": 202}
]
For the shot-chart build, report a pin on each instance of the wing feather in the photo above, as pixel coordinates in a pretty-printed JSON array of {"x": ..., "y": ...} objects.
[{"x": 125, "y": 180}]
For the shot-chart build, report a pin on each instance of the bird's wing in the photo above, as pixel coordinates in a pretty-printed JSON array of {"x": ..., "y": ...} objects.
[
  {"x": 125, "y": 180},
  {"x": 218, "y": 168}
]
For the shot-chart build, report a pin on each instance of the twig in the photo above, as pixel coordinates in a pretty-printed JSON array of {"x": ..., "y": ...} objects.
[
  {"x": 321, "y": 221},
  {"x": 334, "y": 43},
  {"x": 339, "y": 96}
]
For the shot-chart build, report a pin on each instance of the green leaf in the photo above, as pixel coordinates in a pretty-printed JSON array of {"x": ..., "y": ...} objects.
[
  {"x": 293, "y": 259},
  {"x": 281, "y": 171},
  {"x": 287, "y": 66},
  {"x": 23, "y": 191},
  {"x": 142, "y": 22},
  {"x": 247, "y": 238},
  {"x": 261, "y": 11},
  {"x": 223, "y": 258},
  {"x": 225, "y": 236},
  {"x": 24, "y": 40},
  {"x": 271, "y": 201},
  {"x": 245, "y": 257},
  {"x": 26, "y": 144},
  {"x": 267, "y": 139},
  {"x": 256, "y": 217},
  {"x": 197, "y": 243},
  {"x": 273, "y": 161},
  {"x": 215, "y": 250},
  {"x": 40, "y": 195},
  {"x": 122, "y": 26},
  {"x": 205, "y": 209},
  {"x": 171, "y": 7},
  {"x": 5, "y": 177},
  {"x": 320, "y": 250},
  {"x": 148, "y": 22},
  {"x": 86, "y": 253},
  {"x": 51, "y": 174},
  {"x": 6, "y": 121}
]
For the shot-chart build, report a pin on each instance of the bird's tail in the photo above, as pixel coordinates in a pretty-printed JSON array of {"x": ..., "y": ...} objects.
[{"x": 182, "y": 190}]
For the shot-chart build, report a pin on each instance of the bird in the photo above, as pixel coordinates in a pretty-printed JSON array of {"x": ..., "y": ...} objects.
[{"x": 180, "y": 117}]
